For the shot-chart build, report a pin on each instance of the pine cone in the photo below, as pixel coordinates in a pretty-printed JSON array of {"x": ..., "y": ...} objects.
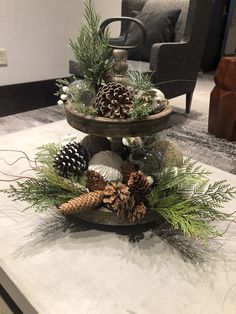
[
  {"x": 118, "y": 198},
  {"x": 139, "y": 185},
  {"x": 126, "y": 169},
  {"x": 71, "y": 160},
  {"x": 82, "y": 203},
  {"x": 114, "y": 100},
  {"x": 95, "y": 181},
  {"x": 138, "y": 212}
]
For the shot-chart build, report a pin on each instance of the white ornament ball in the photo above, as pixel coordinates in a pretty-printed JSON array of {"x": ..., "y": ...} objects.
[
  {"x": 107, "y": 164},
  {"x": 60, "y": 102},
  {"x": 65, "y": 89},
  {"x": 64, "y": 96}
]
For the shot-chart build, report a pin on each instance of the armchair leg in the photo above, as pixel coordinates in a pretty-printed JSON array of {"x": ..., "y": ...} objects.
[{"x": 189, "y": 97}]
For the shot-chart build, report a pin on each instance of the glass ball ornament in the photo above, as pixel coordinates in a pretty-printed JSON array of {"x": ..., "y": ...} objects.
[
  {"x": 150, "y": 161},
  {"x": 82, "y": 92}
]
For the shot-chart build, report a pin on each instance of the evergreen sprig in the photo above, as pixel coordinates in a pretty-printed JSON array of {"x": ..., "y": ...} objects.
[
  {"x": 48, "y": 189},
  {"x": 40, "y": 193},
  {"x": 141, "y": 109},
  {"x": 90, "y": 49},
  {"x": 188, "y": 202},
  {"x": 60, "y": 83},
  {"x": 139, "y": 81},
  {"x": 87, "y": 110}
]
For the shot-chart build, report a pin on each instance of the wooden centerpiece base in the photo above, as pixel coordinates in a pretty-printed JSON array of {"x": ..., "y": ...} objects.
[
  {"x": 116, "y": 129},
  {"x": 103, "y": 216}
]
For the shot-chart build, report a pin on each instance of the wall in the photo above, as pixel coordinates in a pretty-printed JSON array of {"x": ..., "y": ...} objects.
[{"x": 36, "y": 34}]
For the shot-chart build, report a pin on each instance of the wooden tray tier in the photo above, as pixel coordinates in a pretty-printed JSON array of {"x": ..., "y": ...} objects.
[{"x": 101, "y": 126}]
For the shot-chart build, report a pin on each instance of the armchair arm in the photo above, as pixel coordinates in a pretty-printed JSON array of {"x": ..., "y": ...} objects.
[
  {"x": 175, "y": 67},
  {"x": 174, "y": 60}
]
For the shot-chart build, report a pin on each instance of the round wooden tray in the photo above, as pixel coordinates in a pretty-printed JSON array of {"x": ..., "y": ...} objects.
[{"x": 101, "y": 126}]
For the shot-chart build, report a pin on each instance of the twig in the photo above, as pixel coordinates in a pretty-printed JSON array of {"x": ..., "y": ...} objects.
[{"x": 16, "y": 151}]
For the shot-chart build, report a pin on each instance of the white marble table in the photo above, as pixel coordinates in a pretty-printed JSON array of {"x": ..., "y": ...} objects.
[{"x": 97, "y": 272}]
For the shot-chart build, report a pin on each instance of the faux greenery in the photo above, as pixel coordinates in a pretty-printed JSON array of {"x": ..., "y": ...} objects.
[
  {"x": 139, "y": 81},
  {"x": 60, "y": 83},
  {"x": 182, "y": 196},
  {"x": 87, "y": 110},
  {"x": 91, "y": 49},
  {"x": 141, "y": 109},
  {"x": 48, "y": 188},
  {"x": 185, "y": 199}
]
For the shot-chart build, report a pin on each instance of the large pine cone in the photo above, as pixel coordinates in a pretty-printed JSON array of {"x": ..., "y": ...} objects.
[
  {"x": 114, "y": 101},
  {"x": 139, "y": 185},
  {"x": 118, "y": 198},
  {"x": 71, "y": 160},
  {"x": 82, "y": 203},
  {"x": 95, "y": 181}
]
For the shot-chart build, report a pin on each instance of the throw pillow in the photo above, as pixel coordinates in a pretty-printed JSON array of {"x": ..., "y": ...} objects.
[{"x": 160, "y": 28}]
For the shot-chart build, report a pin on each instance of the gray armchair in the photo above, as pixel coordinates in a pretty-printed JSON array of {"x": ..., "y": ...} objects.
[{"x": 173, "y": 66}]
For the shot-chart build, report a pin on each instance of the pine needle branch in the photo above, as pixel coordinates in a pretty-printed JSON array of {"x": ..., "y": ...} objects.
[
  {"x": 40, "y": 193},
  {"x": 139, "y": 81},
  {"x": 48, "y": 189},
  {"x": 90, "y": 49}
]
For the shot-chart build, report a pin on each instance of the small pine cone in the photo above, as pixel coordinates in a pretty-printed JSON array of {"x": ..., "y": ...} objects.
[
  {"x": 82, "y": 203},
  {"x": 95, "y": 181},
  {"x": 114, "y": 101},
  {"x": 138, "y": 212},
  {"x": 126, "y": 169},
  {"x": 118, "y": 198},
  {"x": 139, "y": 185}
]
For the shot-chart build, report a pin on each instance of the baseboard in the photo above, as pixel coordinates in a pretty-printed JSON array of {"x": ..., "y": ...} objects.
[{"x": 27, "y": 96}]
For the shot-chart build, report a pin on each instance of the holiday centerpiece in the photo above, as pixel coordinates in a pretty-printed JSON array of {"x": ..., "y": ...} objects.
[{"x": 117, "y": 175}]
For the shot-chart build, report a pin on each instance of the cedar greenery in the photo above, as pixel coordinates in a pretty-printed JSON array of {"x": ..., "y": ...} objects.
[
  {"x": 48, "y": 189},
  {"x": 184, "y": 199},
  {"x": 91, "y": 49}
]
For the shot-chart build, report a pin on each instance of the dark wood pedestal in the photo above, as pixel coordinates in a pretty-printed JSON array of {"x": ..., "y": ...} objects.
[{"x": 222, "y": 111}]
